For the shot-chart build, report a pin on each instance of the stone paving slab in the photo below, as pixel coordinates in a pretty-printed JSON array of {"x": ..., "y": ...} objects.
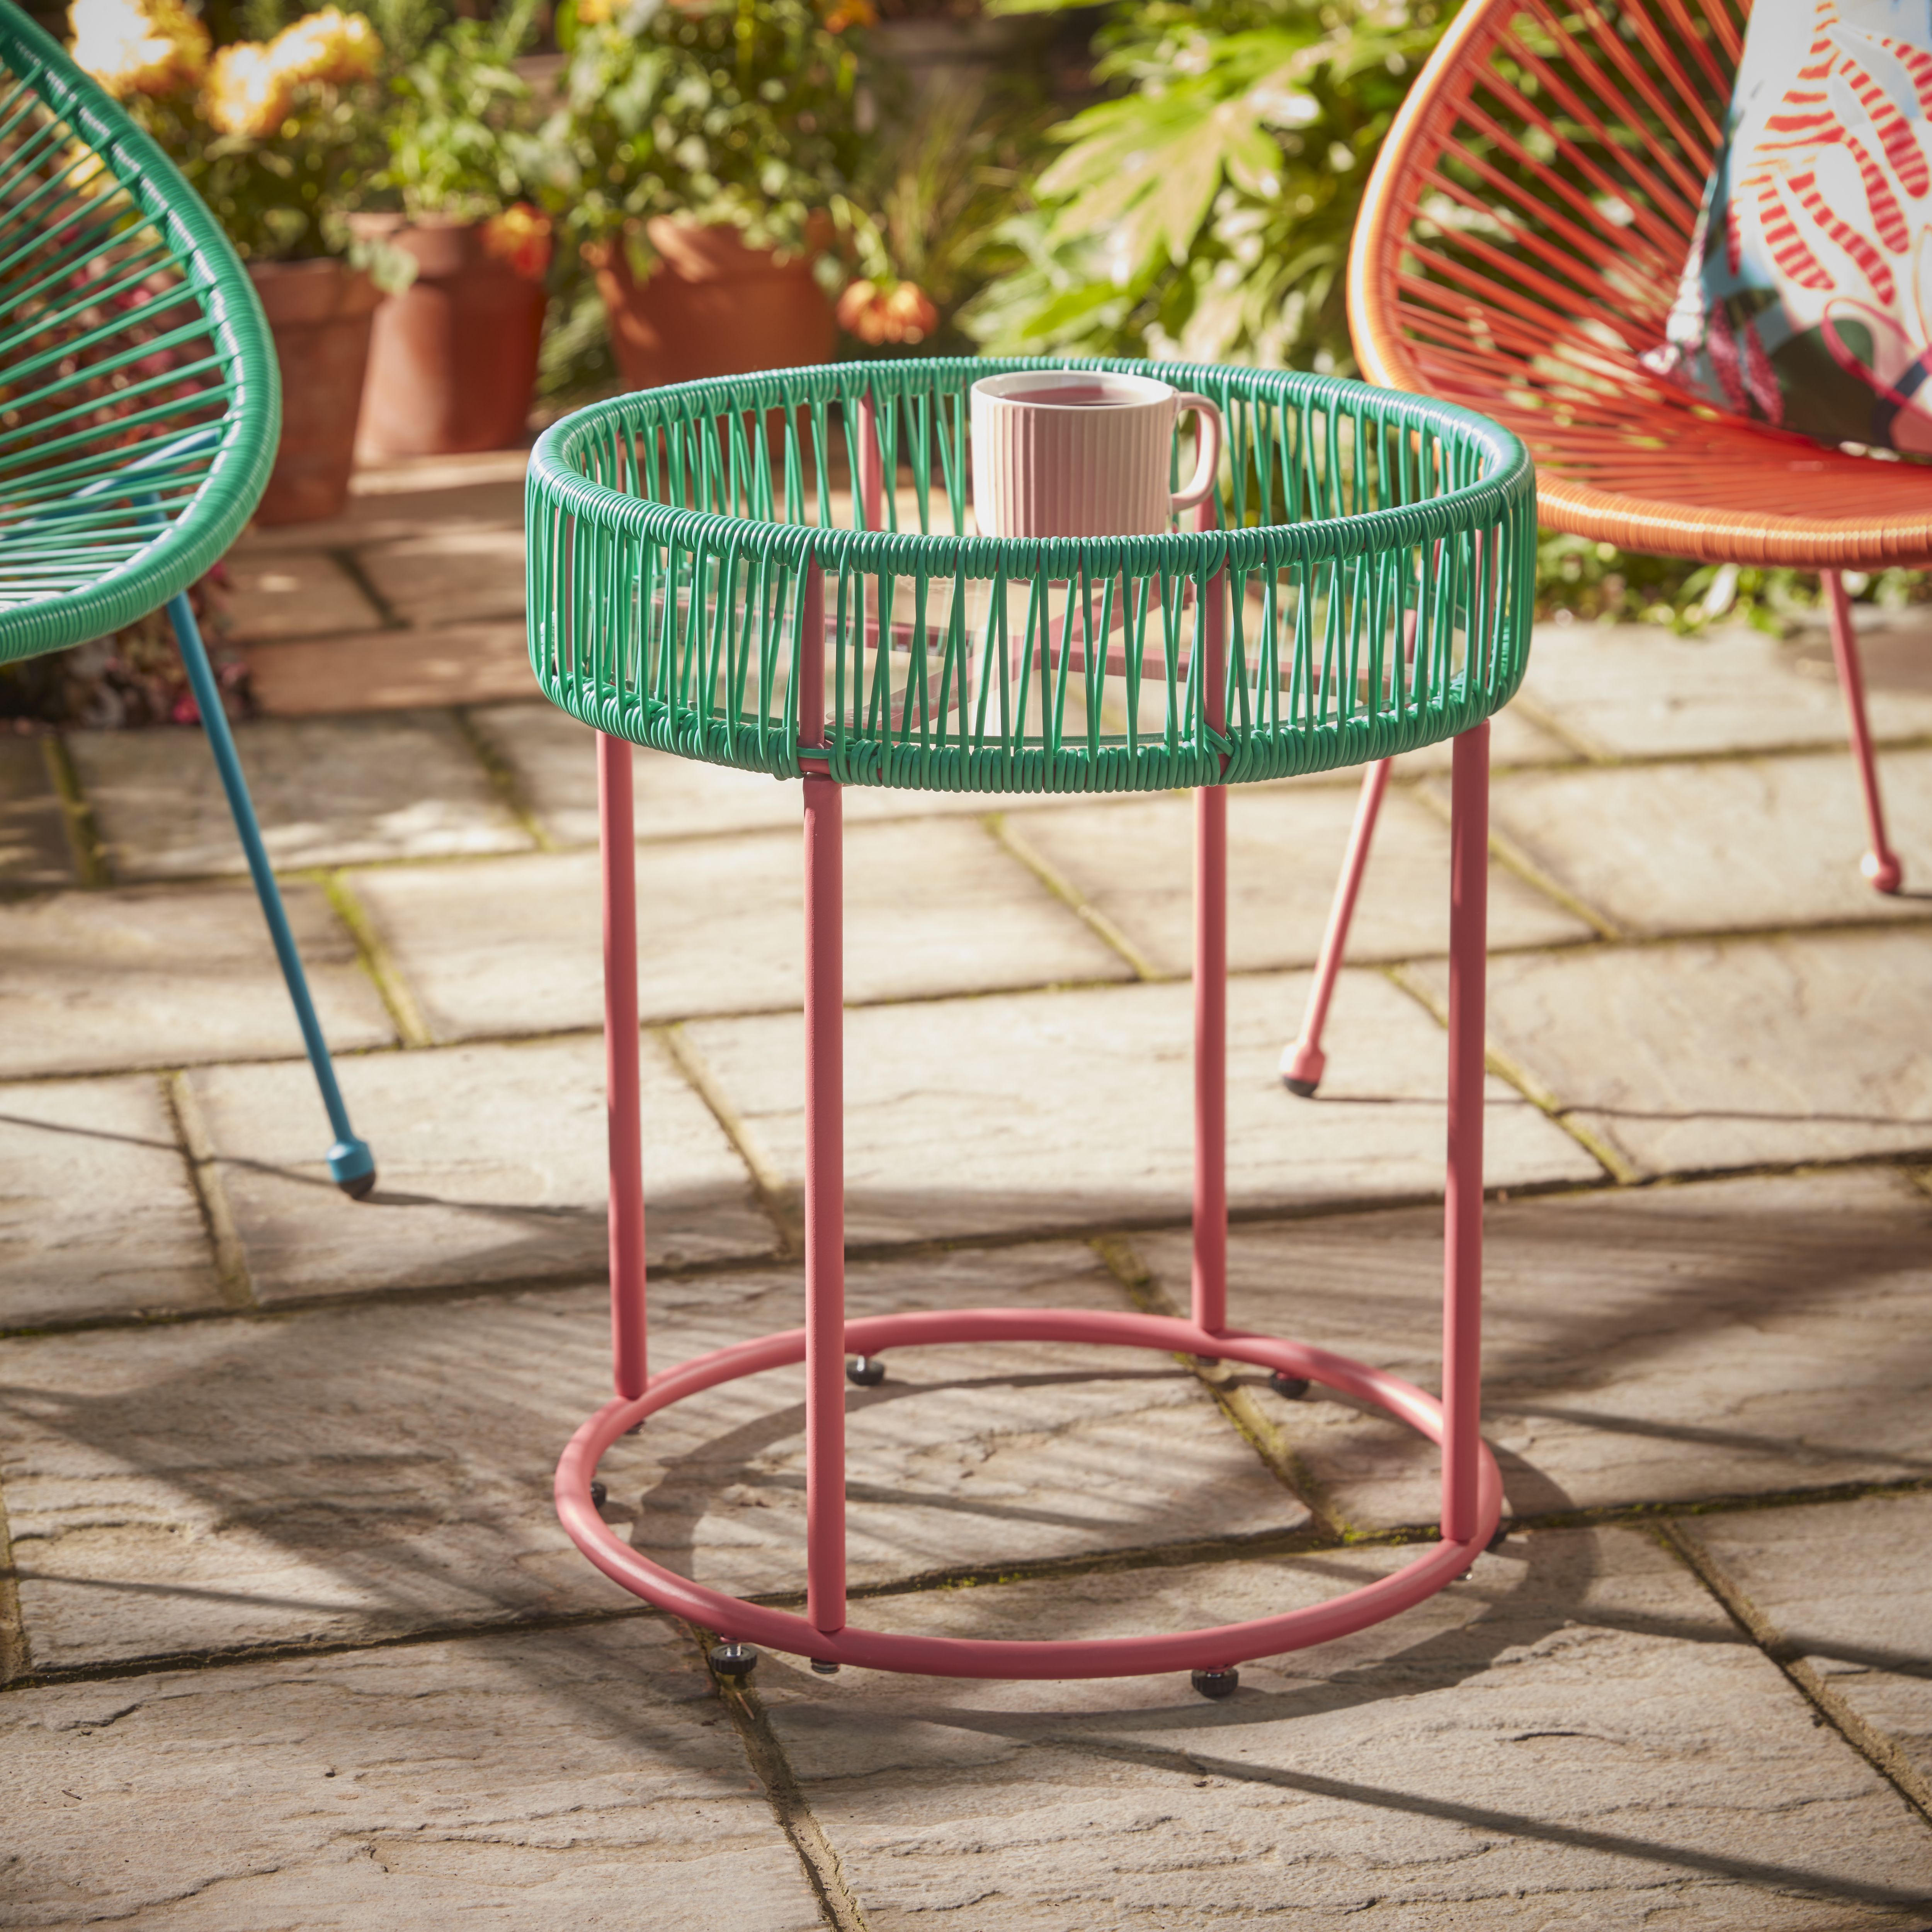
[
  {"x": 1727, "y": 1338},
  {"x": 450, "y": 576},
  {"x": 491, "y": 1166},
  {"x": 359, "y": 1473},
  {"x": 105, "y": 980},
  {"x": 1720, "y": 846},
  {"x": 1817, "y": 1046},
  {"x": 98, "y": 1215},
  {"x": 1871, "y": 1643},
  {"x": 1634, "y": 691},
  {"x": 1891, "y": 651},
  {"x": 1039, "y": 1111},
  {"x": 299, "y": 594},
  {"x": 516, "y": 946},
  {"x": 327, "y": 792},
  {"x": 1135, "y": 863},
  {"x": 586, "y": 1777},
  {"x": 984, "y": 1454},
  {"x": 393, "y": 671},
  {"x": 1579, "y": 1736},
  {"x": 335, "y": 1476},
  {"x": 33, "y": 848}
]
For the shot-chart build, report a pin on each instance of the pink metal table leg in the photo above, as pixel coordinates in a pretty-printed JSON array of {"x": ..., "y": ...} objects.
[
  {"x": 1303, "y": 1064},
  {"x": 824, "y": 1208},
  {"x": 1880, "y": 864},
  {"x": 1463, "y": 1205},
  {"x": 616, "y": 831},
  {"x": 1210, "y": 983},
  {"x": 1471, "y": 1488},
  {"x": 824, "y": 1145}
]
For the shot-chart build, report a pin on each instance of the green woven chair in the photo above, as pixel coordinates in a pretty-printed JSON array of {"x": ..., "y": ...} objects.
[{"x": 140, "y": 408}]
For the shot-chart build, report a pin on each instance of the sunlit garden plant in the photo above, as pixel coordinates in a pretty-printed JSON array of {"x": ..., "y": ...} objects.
[
  {"x": 279, "y": 136},
  {"x": 745, "y": 113},
  {"x": 1205, "y": 211}
]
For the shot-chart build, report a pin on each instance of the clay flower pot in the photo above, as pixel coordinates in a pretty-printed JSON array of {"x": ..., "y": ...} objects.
[
  {"x": 453, "y": 358},
  {"x": 318, "y": 312},
  {"x": 711, "y": 307}
]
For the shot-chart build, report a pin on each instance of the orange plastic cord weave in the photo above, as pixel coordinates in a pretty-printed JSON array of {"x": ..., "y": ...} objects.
[{"x": 1518, "y": 252}]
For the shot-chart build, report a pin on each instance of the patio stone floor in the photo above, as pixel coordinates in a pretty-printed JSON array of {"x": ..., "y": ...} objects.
[{"x": 290, "y": 1636}]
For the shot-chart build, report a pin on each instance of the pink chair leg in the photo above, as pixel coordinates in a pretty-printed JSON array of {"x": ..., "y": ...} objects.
[
  {"x": 616, "y": 829},
  {"x": 1463, "y": 1205},
  {"x": 1303, "y": 1064},
  {"x": 1880, "y": 864}
]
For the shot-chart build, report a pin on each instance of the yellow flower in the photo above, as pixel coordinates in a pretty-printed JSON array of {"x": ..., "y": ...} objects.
[
  {"x": 330, "y": 45},
  {"x": 139, "y": 46},
  {"x": 245, "y": 94},
  {"x": 520, "y": 236},
  {"x": 843, "y": 13},
  {"x": 594, "y": 12}
]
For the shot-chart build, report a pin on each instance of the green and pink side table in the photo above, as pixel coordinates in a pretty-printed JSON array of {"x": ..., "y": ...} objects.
[{"x": 699, "y": 584}]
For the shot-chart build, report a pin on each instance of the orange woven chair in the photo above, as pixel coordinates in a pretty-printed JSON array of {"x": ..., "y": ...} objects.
[{"x": 1518, "y": 251}]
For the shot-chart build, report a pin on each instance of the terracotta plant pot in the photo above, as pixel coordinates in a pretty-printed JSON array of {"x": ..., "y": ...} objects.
[
  {"x": 712, "y": 306},
  {"x": 453, "y": 359},
  {"x": 318, "y": 312}
]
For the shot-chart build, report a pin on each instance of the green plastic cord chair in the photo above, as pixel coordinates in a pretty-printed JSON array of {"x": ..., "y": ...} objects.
[{"x": 139, "y": 409}]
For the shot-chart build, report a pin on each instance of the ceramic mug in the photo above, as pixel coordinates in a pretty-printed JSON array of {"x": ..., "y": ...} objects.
[{"x": 1083, "y": 453}]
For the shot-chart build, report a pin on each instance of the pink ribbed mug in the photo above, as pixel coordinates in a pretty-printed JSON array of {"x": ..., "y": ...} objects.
[{"x": 1083, "y": 453}]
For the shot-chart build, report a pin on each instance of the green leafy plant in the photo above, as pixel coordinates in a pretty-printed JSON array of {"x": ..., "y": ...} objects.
[
  {"x": 742, "y": 113},
  {"x": 938, "y": 188},
  {"x": 1578, "y": 580},
  {"x": 1205, "y": 212},
  {"x": 461, "y": 123}
]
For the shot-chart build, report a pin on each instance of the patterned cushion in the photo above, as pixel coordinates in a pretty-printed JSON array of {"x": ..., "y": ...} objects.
[{"x": 1807, "y": 301}]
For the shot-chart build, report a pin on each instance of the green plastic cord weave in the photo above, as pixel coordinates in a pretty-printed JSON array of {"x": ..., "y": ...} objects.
[
  {"x": 1373, "y": 566},
  {"x": 140, "y": 402}
]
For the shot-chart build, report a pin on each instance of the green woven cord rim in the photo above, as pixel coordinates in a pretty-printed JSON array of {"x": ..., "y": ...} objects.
[
  {"x": 193, "y": 534},
  {"x": 1374, "y": 562}
]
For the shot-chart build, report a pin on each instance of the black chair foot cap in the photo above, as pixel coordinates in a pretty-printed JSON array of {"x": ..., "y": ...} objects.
[
  {"x": 1302, "y": 1090},
  {"x": 1291, "y": 1388},
  {"x": 864, "y": 1372},
  {"x": 734, "y": 1662},
  {"x": 599, "y": 1495},
  {"x": 1217, "y": 1684},
  {"x": 823, "y": 1667},
  {"x": 361, "y": 1188}
]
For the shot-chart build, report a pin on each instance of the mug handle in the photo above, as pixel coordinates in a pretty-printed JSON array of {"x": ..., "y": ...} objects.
[{"x": 1208, "y": 433}]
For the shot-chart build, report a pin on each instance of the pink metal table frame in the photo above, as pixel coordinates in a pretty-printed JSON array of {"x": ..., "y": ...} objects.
[{"x": 1472, "y": 1487}]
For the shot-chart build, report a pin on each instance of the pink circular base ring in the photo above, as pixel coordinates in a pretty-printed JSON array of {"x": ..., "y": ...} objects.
[{"x": 1216, "y": 1649}]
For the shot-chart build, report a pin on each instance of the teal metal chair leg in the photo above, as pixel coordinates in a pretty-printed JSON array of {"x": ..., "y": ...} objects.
[{"x": 350, "y": 1163}]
